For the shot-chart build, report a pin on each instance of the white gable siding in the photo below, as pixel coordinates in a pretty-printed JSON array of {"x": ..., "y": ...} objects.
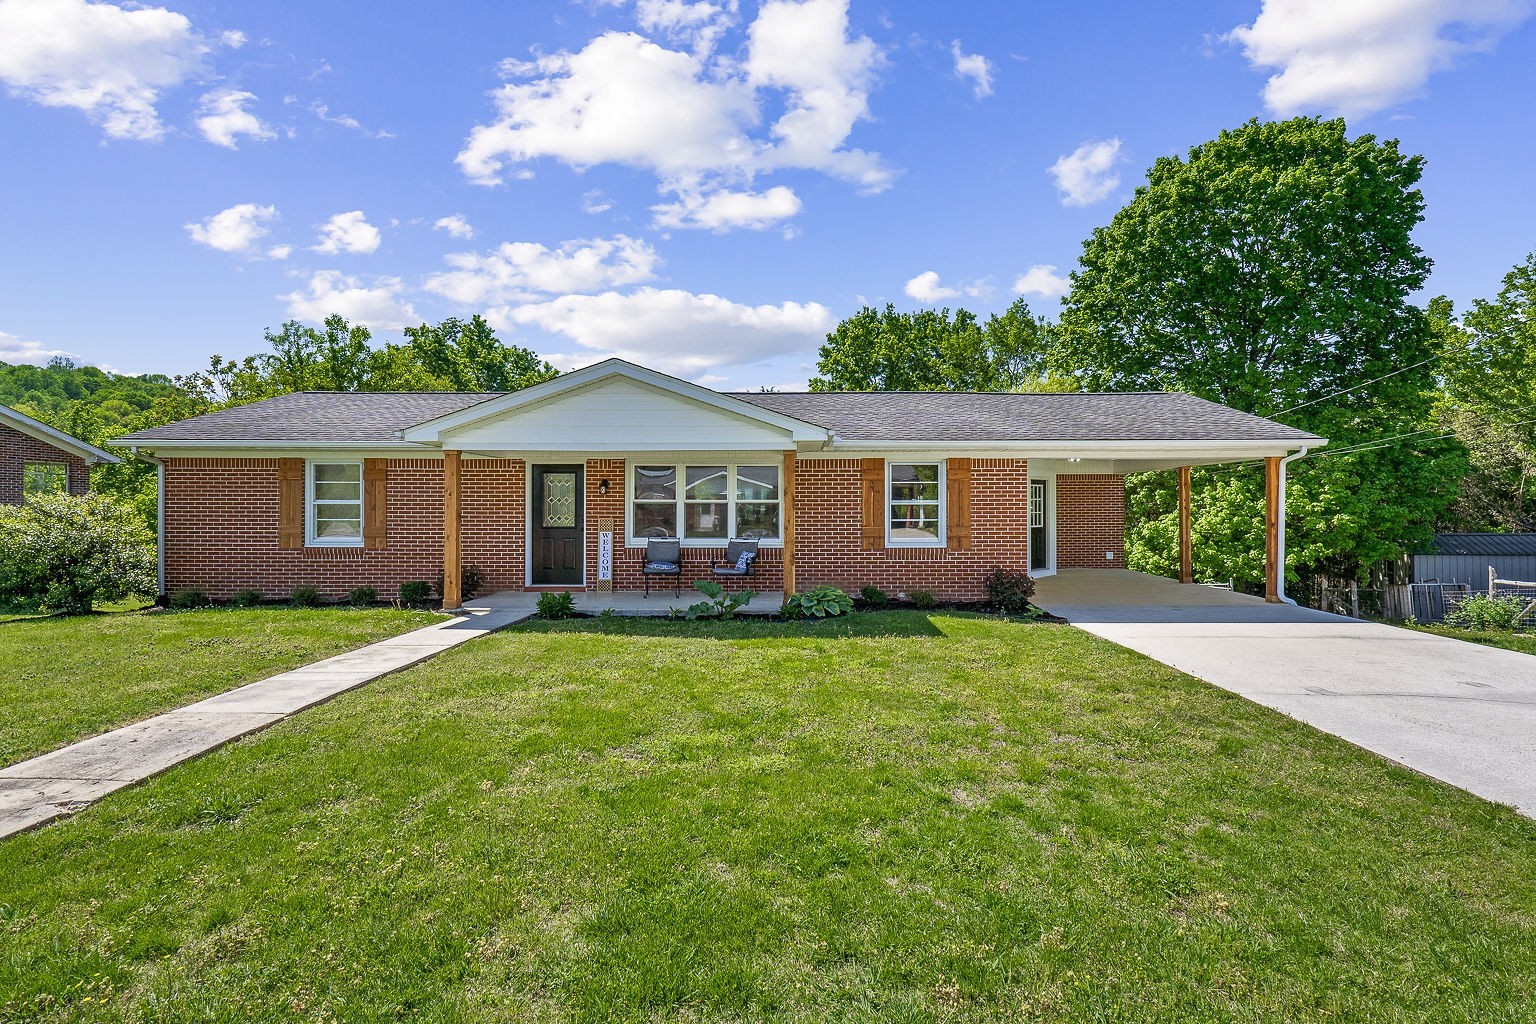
[{"x": 617, "y": 415}]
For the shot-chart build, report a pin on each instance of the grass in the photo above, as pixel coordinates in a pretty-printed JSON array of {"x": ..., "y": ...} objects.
[
  {"x": 896, "y": 818},
  {"x": 69, "y": 678},
  {"x": 1523, "y": 642}
]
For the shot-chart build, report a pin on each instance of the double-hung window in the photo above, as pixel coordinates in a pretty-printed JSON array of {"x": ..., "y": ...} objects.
[
  {"x": 706, "y": 503},
  {"x": 44, "y": 478},
  {"x": 336, "y": 504},
  {"x": 914, "y": 503}
]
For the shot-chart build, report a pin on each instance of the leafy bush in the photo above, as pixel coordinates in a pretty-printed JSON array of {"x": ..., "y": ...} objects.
[
  {"x": 924, "y": 599},
  {"x": 1487, "y": 613},
  {"x": 304, "y": 597},
  {"x": 415, "y": 593},
  {"x": 470, "y": 582},
  {"x": 557, "y": 604},
  {"x": 62, "y": 552},
  {"x": 718, "y": 604},
  {"x": 1009, "y": 590},
  {"x": 874, "y": 596},
  {"x": 189, "y": 597},
  {"x": 362, "y": 597},
  {"x": 248, "y": 597},
  {"x": 819, "y": 603}
]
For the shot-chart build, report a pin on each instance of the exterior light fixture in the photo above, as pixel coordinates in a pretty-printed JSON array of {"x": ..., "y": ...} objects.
[
  {"x": 602, "y": 487},
  {"x": 1074, "y": 458}
]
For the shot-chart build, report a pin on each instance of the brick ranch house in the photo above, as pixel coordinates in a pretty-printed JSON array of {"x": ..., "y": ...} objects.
[
  {"x": 558, "y": 485},
  {"x": 36, "y": 458}
]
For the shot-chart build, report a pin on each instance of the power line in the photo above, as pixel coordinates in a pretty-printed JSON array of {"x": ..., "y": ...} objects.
[{"x": 1357, "y": 387}]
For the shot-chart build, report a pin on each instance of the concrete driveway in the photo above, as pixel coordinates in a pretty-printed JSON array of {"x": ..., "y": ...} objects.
[{"x": 1460, "y": 712}]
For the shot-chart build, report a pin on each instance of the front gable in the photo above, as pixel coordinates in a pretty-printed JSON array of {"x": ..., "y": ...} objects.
[{"x": 613, "y": 407}]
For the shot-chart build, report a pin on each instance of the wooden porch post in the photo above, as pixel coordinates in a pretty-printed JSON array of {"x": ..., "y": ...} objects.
[
  {"x": 787, "y": 511},
  {"x": 1272, "y": 514},
  {"x": 452, "y": 544},
  {"x": 1186, "y": 543}
]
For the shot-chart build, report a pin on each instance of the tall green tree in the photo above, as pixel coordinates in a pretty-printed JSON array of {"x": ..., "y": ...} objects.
[
  {"x": 934, "y": 350},
  {"x": 1489, "y": 368},
  {"x": 469, "y": 357},
  {"x": 1270, "y": 269}
]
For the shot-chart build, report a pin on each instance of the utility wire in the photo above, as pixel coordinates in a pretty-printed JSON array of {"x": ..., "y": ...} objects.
[{"x": 1357, "y": 387}]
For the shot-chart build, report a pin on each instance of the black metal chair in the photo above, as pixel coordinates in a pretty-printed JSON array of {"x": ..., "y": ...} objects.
[
  {"x": 663, "y": 557},
  {"x": 740, "y": 560}
]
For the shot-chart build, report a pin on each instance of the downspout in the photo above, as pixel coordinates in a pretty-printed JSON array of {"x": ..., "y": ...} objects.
[{"x": 1281, "y": 516}]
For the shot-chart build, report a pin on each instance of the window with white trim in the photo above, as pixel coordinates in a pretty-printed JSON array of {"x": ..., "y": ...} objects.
[
  {"x": 703, "y": 503},
  {"x": 44, "y": 478},
  {"x": 335, "y": 504},
  {"x": 914, "y": 503}
]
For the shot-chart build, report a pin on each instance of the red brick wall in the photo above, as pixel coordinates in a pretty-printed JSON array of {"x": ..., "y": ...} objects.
[
  {"x": 221, "y": 530},
  {"x": 1090, "y": 520},
  {"x": 17, "y": 449}
]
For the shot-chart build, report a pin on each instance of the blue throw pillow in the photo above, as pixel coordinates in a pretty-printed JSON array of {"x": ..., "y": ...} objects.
[{"x": 745, "y": 560}]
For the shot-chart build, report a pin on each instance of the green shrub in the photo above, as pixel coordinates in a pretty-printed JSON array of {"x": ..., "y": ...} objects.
[
  {"x": 1009, "y": 590},
  {"x": 415, "y": 593},
  {"x": 471, "y": 580},
  {"x": 1487, "y": 613},
  {"x": 304, "y": 597},
  {"x": 248, "y": 597},
  {"x": 718, "y": 604},
  {"x": 62, "y": 552},
  {"x": 819, "y": 603},
  {"x": 557, "y": 604},
  {"x": 190, "y": 597},
  {"x": 924, "y": 599},
  {"x": 362, "y": 597},
  {"x": 874, "y": 597}
]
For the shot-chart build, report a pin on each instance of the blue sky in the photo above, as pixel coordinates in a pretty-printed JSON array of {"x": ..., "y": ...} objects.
[{"x": 705, "y": 187}]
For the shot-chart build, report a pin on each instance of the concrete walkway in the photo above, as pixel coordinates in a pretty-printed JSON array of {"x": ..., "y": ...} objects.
[
  {"x": 62, "y": 781},
  {"x": 1460, "y": 712}
]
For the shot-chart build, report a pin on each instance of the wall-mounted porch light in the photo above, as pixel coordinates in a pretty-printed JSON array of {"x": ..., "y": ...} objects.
[{"x": 602, "y": 487}]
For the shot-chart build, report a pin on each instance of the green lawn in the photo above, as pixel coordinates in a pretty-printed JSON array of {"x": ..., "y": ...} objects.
[
  {"x": 68, "y": 678},
  {"x": 902, "y": 818},
  {"x": 1523, "y": 642}
]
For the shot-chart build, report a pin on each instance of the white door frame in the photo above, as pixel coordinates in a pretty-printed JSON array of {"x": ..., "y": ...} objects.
[{"x": 1048, "y": 476}]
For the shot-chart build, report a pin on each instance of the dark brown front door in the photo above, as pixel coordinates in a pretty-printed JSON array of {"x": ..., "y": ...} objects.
[{"x": 558, "y": 537}]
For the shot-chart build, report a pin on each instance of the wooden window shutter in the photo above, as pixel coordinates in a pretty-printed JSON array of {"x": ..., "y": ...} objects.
[
  {"x": 290, "y": 503},
  {"x": 375, "y": 516},
  {"x": 958, "y": 501},
  {"x": 874, "y": 504}
]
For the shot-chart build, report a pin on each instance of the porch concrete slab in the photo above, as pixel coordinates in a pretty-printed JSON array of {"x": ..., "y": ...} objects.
[
  {"x": 1460, "y": 712},
  {"x": 62, "y": 781},
  {"x": 592, "y": 602}
]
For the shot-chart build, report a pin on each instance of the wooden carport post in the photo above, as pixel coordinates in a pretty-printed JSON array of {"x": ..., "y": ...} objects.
[
  {"x": 1186, "y": 542},
  {"x": 787, "y": 494},
  {"x": 1272, "y": 514},
  {"x": 453, "y": 597}
]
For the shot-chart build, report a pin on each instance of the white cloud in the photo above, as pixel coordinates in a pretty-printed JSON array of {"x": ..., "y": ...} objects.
[
  {"x": 223, "y": 117},
  {"x": 973, "y": 66},
  {"x": 1359, "y": 58},
  {"x": 234, "y": 39},
  {"x": 323, "y": 112},
  {"x": 456, "y": 226},
  {"x": 348, "y": 232},
  {"x": 111, "y": 63},
  {"x": 236, "y": 229},
  {"x": 18, "y": 350},
  {"x": 925, "y": 287},
  {"x": 280, "y": 252},
  {"x": 596, "y": 201},
  {"x": 1087, "y": 174},
  {"x": 331, "y": 292},
  {"x": 691, "y": 120},
  {"x": 676, "y": 331},
  {"x": 1042, "y": 279},
  {"x": 520, "y": 271},
  {"x": 698, "y": 24},
  {"x": 725, "y": 210}
]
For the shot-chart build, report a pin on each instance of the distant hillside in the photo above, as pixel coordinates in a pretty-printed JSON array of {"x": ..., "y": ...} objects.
[{"x": 85, "y": 401}]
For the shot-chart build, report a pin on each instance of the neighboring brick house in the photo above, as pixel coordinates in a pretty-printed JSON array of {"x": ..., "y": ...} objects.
[
  {"x": 35, "y": 457},
  {"x": 560, "y": 485}
]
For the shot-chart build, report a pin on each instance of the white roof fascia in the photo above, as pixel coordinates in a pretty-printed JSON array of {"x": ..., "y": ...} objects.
[{"x": 41, "y": 431}]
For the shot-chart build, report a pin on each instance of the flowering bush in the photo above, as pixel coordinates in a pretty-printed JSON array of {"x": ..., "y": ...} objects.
[{"x": 62, "y": 552}]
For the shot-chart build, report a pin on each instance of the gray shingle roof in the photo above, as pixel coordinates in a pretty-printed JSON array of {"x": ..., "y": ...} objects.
[
  {"x": 1515, "y": 544},
  {"x": 315, "y": 416},
  {"x": 970, "y": 416},
  {"x": 853, "y": 416}
]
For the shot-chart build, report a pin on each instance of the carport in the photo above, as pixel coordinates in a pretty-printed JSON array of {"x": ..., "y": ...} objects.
[{"x": 1460, "y": 712}]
